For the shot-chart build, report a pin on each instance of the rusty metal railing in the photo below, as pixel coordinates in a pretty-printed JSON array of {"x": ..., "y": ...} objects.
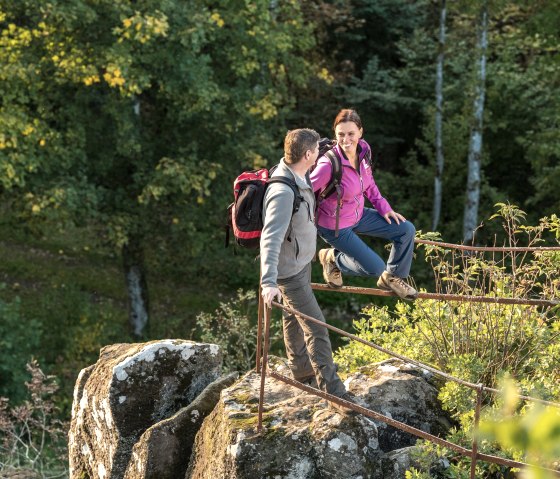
[
  {"x": 438, "y": 296},
  {"x": 488, "y": 248},
  {"x": 473, "y": 453},
  {"x": 419, "y": 364}
]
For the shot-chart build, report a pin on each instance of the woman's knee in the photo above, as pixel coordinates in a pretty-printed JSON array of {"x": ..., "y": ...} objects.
[
  {"x": 374, "y": 266},
  {"x": 409, "y": 228}
]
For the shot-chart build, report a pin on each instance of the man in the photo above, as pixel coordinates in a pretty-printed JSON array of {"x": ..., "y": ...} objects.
[{"x": 287, "y": 247}]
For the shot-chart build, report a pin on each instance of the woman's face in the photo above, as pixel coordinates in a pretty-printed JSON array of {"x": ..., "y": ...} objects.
[{"x": 347, "y": 134}]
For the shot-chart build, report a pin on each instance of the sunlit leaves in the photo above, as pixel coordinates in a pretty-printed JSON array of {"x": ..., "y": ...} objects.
[
  {"x": 143, "y": 28},
  {"x": 172, "y": 176},
  {"x": 531, "y": 433}
]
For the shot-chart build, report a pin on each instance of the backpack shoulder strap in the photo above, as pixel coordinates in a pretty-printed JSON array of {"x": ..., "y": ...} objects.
[
  {"x": 292, "y": 184},
  {"x": 336, "y": 174},
  {"x": 333, "y": 186},
  {"x": 368, "y": 158},
  {"x": 336, "y": 166}
]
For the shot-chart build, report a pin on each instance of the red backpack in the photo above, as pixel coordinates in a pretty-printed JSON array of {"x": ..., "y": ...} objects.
[{"x": 245, "y": 213}]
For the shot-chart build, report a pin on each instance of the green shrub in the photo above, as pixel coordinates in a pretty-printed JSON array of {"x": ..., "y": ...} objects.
[
  {"x": 434, "y": 461},
  {"x": 530, "y": 433},
  {"x": 232, "y": 328},
  {"x": 474, "y": 341}
]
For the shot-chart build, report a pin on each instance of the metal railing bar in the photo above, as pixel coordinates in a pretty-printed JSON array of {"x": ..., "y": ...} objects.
[
  {"x": 488, "y": 248},
  {"x": 258, "y": 353},
  {"x": 264, "y": 364},
  {"x": 437, "y": 296},
  {"x": 474, "y": 455},
  {"x": 401, "y": 357}
]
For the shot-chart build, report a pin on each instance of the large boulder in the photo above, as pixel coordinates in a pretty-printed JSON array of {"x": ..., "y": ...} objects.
[
  {"x": 402, "y": 392},
  {"x": 395, "y": 463},
  {"x": 164, "y": 450},
  {"x": 303, "y": 438},
  {"x": 130, "y": 388}
]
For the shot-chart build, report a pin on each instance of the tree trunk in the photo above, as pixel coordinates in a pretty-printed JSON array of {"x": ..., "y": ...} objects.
[
  {"x": 439, "y": 113},
  {"x": 137, "y": 287},
  {"x": 134, "y": 270},
  {"x": 470, "y": 218}
]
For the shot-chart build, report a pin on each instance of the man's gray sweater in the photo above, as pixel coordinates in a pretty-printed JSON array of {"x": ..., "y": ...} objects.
[{"x": 288, "y": 242}]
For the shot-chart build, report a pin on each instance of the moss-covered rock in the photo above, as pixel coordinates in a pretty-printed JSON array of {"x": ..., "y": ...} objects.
[
  {"x": 303, "y": 438},
  {"x": 130, "y": 388}
]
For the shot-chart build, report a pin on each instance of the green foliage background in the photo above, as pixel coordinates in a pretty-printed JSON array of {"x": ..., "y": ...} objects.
[{"x": 123, "y": 124}]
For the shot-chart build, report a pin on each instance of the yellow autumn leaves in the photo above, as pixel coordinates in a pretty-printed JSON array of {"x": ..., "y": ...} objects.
[
  {"x": 113, "y": 76},
  {"x": 216, "y": 18},
  {"x": 143, "y": 28}
]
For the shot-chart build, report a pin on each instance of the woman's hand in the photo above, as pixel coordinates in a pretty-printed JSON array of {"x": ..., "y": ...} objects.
[
  {"x": 269, "y": 293},
  {"x": 396, "y": 216}
]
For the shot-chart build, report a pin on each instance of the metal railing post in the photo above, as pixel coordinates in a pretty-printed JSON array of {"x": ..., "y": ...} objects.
[
  {"x": 264, "y": 363},
  {"x": 480, "y": 388},
  {"x": 259, "y": 331}
]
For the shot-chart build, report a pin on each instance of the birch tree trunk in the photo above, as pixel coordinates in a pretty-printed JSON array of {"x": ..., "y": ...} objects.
[
  {"x": 134, "y": 268},
  {"x": 470, "y": 218},
  {"x": 137, "y": 287},
  {"x": 438, "y": 179}
]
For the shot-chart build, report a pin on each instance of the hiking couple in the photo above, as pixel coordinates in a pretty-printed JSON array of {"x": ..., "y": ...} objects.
[{"x": 288, "y": 242}]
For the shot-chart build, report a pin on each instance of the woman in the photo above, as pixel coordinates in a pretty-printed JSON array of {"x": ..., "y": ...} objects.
[{"x": 350, "y": 255}]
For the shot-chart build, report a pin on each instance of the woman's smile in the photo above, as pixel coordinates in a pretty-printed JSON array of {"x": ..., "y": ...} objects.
[{"x": 348, "y": 134}]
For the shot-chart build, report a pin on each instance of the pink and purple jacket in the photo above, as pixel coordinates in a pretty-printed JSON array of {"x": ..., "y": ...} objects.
[{"x": 355, "y": 186}]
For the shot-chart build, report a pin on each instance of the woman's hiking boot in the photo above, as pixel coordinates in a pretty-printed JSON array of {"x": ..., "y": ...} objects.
[
  {"x": 390, "y": 282},
  {"x": 331, "y": 273}
]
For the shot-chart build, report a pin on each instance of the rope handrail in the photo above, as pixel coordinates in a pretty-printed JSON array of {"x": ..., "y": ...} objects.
[
  {"x": 487, "y": 248},
  {"x": 406, "y": 359},
  {"x": 440, "y": 296}
]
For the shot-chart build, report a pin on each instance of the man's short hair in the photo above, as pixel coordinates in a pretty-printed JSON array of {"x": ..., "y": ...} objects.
[{"x": 297, "y": 142}]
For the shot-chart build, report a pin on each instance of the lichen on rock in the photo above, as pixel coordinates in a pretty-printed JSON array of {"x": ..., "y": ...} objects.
[
  {"x": 130, "y": 388},
  {"x": 303, "y": 438}
]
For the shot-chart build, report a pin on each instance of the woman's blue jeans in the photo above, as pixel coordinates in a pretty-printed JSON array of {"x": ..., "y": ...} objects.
[{"x": 355, "y": 258}]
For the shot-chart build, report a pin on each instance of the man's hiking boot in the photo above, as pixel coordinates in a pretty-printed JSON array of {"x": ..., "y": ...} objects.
[
  {"x": 390, "y": 282},
  {"x": 332, "y": 275},
  {"x": 350, "y": 397},
  {"x": 309, "y": 381}
]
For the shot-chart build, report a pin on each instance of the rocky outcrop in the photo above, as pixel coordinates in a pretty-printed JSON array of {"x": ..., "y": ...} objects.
[
  {"x": 164, "y": 450},
  {"x": 136, "y": 413},
  {"x": 129, "y": 389},
  {"x": 402, "y": 392},
  {"x": 303, "y": 438}
]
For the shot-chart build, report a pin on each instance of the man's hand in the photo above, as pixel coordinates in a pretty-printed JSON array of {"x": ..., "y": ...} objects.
[
  {"x": 396, "y": 216},
  {"x": 269, "y": 293}
]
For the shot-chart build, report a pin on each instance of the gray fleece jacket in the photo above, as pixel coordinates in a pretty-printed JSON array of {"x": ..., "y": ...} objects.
[{"x": 287, "y": 243}]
